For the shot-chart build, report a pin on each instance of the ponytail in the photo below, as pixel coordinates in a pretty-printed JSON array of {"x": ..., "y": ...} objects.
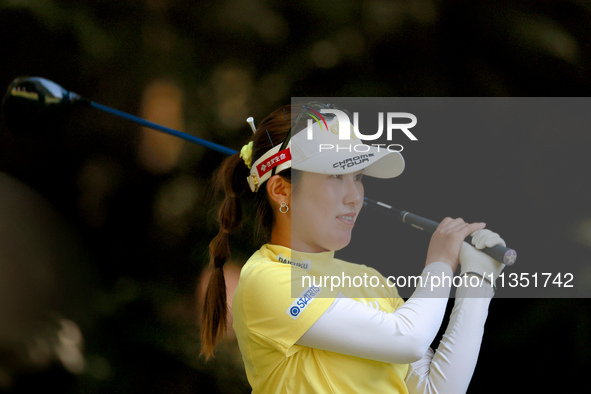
[
  {"x": 231, "y": 179},
  {"x": 215, "y": 307}
]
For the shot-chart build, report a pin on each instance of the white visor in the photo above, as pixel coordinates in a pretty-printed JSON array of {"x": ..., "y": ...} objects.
[{"x": 321, "y": 149}]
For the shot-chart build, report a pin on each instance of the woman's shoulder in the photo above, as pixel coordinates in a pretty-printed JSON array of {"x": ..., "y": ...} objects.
[
  {"x": 265, "y": 278},
  {"x": 261, "y": 268}
]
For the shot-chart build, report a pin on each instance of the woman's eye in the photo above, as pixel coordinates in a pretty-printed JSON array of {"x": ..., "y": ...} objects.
[
  {"x": 358, "y": 177},
  {"x": 337, "y": 176}
]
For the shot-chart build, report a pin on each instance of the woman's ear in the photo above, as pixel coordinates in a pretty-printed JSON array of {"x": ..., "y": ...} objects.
[{"x": 279, "y": 190}]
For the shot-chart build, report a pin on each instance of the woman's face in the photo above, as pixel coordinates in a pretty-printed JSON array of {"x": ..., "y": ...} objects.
[{"x": 324, "y": 209}]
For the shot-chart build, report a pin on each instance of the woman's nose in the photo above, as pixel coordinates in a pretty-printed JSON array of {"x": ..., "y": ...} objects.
[{"x": 353, "y": 191}]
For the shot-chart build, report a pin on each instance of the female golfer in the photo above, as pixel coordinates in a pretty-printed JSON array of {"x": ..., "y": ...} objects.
[{"x": 299, "y": 336}]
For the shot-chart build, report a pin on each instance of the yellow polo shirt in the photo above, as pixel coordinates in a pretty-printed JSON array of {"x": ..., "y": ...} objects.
[{"x": 269, "y": 318}]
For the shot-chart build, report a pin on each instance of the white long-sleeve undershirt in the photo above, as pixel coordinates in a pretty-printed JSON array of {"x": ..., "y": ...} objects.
[
  {"x": 449, "y": 369},
  {"x": 404, "y": 336}
]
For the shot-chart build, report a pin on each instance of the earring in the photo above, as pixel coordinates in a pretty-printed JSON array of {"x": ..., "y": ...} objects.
[{"x": 284, "y": 207}]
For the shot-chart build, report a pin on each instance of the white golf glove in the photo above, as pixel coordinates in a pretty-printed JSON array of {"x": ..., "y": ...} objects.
[{"x": 472, "y": 260}]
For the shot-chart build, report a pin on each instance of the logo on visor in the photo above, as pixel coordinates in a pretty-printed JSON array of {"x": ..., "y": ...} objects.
[
  {"x": 353, "y": 161},
  {"x": 273, "y": 161}
]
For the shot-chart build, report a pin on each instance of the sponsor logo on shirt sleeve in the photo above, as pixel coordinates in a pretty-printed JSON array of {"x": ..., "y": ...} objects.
[{"x": 297, "y": 307}]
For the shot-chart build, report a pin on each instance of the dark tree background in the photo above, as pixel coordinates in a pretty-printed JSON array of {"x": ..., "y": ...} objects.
[{"x": 104, "y": 226}]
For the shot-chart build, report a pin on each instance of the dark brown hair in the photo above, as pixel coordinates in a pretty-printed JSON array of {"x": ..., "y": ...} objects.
[{"x": 231, "y": 180}]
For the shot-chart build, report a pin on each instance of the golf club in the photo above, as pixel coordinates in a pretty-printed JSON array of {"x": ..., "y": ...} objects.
[
  {"x": 36, "y": 99},
  {"x": 42, "y": 100}
]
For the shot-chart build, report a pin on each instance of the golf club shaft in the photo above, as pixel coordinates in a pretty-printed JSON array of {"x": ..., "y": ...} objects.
[
  {"x": 500, "y": 253},
  {"x": 155, "y": 126}
]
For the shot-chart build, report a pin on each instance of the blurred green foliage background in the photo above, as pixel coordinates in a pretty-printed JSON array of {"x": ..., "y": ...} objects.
[{"x": 104, "y": 226}]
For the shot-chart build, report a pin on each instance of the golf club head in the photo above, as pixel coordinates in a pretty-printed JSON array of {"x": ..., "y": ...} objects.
[{"x": 33, "y": 105}]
